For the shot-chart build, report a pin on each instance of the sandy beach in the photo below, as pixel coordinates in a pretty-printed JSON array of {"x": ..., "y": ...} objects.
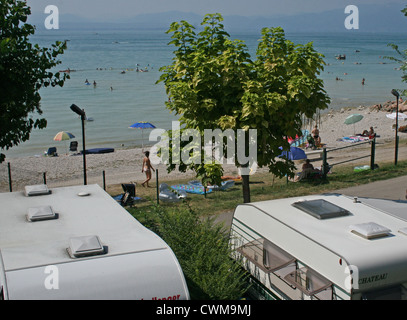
[
  {"x": 124, "y": 165},
  {"x": 332, "y": 127}
]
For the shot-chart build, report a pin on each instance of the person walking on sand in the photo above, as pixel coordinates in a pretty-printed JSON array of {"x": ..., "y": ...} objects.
[{"x": 147, "y": 167}]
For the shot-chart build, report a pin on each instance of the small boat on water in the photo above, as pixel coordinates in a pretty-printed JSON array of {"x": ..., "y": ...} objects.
[
  {"x": 341, "y": 57},
  {"x": 67, "y": 70}
]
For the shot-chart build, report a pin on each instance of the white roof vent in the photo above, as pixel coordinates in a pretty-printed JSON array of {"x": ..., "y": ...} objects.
[
  {"x": 41, "y": 213},
  {"x": 37, "y": 190},
  {"x": 370, "y": 230},
  {"x": 85, "y": 246}
]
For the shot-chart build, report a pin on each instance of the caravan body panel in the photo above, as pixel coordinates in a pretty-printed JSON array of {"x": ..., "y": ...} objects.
[
  {"x": 139, "y": 276},
  {"x": 353, "y": 264}
]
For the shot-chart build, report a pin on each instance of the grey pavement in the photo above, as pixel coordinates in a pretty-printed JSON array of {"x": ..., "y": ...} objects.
[{"x": 392, "y": 189}]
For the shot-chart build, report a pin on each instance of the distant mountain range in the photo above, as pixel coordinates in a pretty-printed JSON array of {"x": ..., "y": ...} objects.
[{"x": 372, "y": 18}]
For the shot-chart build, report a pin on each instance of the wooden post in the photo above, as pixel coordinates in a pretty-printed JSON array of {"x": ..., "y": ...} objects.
[
  {"x": 372, "y": 154},
  {"x": 324, "y": 164},
  {"x": 396, "y": 150},
  {"x": 157, "y": 187},
  {"x": 10, "y": 184}
]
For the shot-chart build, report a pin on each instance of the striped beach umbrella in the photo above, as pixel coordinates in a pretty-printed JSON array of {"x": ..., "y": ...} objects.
[{"x": 63, "y": 136}]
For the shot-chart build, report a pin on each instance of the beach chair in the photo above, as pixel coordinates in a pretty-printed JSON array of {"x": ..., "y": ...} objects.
[
  {"x": 52, "y": 152},
  {"x": 73, "y": 147},
  {"x": 128, "y": 195}
]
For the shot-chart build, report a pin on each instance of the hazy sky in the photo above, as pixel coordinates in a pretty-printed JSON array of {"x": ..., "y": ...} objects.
[{"x": 117, "y": 9}]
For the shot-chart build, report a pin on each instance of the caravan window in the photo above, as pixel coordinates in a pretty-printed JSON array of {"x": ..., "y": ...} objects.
[
  {"x": 309, "y": 282},
  {"x": 274, "y": 258},
  {"x": 265, "y": 255}
]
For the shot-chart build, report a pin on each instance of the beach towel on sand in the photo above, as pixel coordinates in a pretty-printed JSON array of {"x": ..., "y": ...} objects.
[
  {"x": 119, "y": 198},
  {"x": 354, "y": 139}
]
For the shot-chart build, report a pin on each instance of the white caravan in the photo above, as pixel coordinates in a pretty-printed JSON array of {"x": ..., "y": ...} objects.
[
  {"x": 79, "y": 243},
  {"x": 323, "y": 247}
]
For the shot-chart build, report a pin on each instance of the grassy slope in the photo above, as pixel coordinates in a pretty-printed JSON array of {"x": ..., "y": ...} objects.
[{"x": 266, "y": 187}]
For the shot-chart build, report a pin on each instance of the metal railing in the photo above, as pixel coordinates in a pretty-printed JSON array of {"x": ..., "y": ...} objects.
[
  {"x": 326, "y": 166},
  {"x": 7, "y": 183},
  {"x": 34, "y": 177}
]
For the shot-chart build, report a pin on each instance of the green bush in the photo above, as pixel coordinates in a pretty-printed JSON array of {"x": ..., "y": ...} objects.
[{"x": 202, "y": 249}]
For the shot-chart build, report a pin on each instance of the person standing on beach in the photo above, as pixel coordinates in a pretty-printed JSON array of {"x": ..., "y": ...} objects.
[
  {"x": 317, "y": 138},
  {"x": 147, "y": 167},
  {"x": 315, "y": 132}
]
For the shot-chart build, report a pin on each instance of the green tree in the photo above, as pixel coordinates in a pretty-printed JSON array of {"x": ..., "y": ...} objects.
[
  {"x": 283, "y": 88},
  {"x": 204, "y": 81},
  {"x": 24, "y": 69},
  {"x": 213, "y": 83}
]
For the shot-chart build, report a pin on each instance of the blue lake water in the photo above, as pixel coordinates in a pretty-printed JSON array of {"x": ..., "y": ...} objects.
[{"x": 102, "y": 57}]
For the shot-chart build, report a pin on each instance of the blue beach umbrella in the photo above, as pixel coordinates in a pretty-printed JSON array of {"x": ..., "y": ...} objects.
[
  {"x": 294, "y": 154},
  {"x": 142, "y": 125}
]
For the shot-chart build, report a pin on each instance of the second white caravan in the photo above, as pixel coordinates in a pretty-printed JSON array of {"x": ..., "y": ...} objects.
[{"x": 322, "y": 247}]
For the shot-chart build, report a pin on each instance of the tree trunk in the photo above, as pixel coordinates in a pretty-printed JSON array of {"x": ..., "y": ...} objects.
[
  {"x": 246, "y": 188},
  {"x": 245, "y": 172}
]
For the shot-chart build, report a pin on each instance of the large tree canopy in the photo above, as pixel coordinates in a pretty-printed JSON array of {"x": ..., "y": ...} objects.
[
  {"x": 213, "y": 83},
  {"x": 24, "y": 69}
]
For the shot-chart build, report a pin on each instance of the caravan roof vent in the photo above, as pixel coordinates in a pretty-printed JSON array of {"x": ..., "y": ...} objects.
[
  {"x": 321, "y": 209},
  {"x": 36, "y": 190},
  {"x": 370, "y": 230},
  {"x": 85, "y": 246},
  {"x": 41, "y": 213}
]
